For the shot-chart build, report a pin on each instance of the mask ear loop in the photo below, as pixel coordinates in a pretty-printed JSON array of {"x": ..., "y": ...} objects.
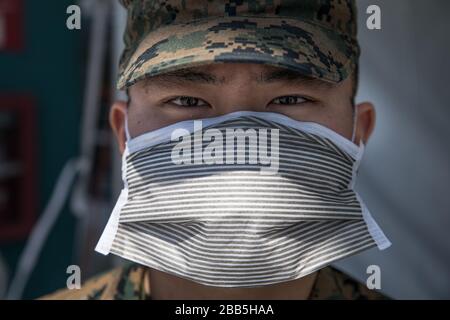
[
  {"x": 355, "y": 119},
  {"x": 127, "y": 132}
]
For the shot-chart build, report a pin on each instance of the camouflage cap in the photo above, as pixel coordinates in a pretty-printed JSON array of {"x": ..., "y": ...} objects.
[{"x": 314, "y": 37}]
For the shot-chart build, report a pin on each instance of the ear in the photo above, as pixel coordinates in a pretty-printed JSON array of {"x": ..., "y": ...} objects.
[
  {"x": 365, "y": 121},
  {"x": 117, "y": 123}
]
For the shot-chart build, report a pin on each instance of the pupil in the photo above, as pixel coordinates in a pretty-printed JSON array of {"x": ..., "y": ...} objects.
[
  {"x": 288, "y": 100},
  {"x": 190, "y": 101}
]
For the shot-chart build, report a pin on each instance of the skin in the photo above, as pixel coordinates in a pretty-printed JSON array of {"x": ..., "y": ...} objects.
[{"x": 218, "y": 89}]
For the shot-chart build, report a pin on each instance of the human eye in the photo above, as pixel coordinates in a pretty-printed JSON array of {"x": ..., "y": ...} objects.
[
  {"x": 188, "y": 102},
  {"x": 289, "y": 100}
]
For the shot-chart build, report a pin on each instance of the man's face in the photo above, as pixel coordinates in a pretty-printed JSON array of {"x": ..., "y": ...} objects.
[{"x": 218, "y": 89}]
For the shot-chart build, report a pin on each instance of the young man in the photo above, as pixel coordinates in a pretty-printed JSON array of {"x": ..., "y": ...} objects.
[{"x": 188, "y": 60}]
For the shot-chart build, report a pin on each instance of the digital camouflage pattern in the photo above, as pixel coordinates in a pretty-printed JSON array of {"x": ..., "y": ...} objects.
[
  {"x": 131, "y": 282},
  {"x": 314, "y": 37},
  {"x": 122, "y": 283}
]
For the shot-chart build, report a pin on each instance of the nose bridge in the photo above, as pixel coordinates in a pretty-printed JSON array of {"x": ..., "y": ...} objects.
[
  {"x": 241, "y": 95},
  {"x": 240, "y": 107}
]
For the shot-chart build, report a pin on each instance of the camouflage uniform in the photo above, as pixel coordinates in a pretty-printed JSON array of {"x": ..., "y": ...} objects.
[
  {"x": 131, "y": 283},
  {"x": 314, "y": 37}
]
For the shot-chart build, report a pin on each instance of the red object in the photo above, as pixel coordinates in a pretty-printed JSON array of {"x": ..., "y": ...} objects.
[
  {"x": 17, "y": 167},
  {"x": 11, "y": 25}
]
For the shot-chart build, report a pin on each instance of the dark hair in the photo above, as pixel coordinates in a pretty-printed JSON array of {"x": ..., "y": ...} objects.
[
  {"x": 128, "y": 97},
  {"x": 355, "y": 79}
]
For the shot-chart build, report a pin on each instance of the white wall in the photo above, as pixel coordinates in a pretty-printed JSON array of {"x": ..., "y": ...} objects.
[{"x": 405, "y": 176}]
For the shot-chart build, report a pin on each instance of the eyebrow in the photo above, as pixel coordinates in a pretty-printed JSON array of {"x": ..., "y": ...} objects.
[
  {"x": 183, "y": 76},
  {"x": 192, "y": 76},
  {"x": 293, "y": 77}
]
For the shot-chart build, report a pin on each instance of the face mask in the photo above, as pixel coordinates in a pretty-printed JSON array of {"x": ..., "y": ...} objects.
[{"x": 241, "y": 200}]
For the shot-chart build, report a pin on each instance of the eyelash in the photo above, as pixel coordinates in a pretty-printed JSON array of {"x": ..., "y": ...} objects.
[
  {"x": 204, "y": 103},
  {"x": 172, "y": 101},
  {"x": 289, "y": 97}
]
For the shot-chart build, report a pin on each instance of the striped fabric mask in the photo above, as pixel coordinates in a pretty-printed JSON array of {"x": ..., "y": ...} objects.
[{"x": 241, "y": 200}]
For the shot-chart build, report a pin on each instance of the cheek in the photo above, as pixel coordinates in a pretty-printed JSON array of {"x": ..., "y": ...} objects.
[
  {"x": 340, "y": 121},
  {"x": 144, "y": 114},
  {"x": 338, "y": 109},
  {"x": 142, "y": 120}
]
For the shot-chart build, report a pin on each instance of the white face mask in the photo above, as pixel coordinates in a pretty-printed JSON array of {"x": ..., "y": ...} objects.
[{"x": 272, "y": 205}]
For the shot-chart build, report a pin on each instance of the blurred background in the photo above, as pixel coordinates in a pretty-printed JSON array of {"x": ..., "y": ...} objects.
[{"x": 60, "y": 169}]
